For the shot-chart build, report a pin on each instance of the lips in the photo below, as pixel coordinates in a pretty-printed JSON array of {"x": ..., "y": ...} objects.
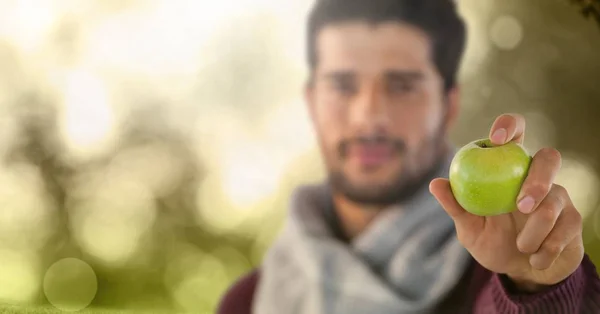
[{"x": 371, "y": 155}]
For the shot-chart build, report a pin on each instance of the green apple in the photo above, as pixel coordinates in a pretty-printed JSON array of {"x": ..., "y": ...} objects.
[{"x": 486, "y": 178}]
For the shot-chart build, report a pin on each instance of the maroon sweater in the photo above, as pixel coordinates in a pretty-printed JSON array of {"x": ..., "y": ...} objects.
[{"x": 479, "y": 292}]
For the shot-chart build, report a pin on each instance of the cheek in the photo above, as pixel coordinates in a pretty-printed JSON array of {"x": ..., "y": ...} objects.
[
  {"x": 426, "y": 117},
  {"x": 431, "y": 124},
  {"x": 417, "y": 124},
  {"x": 329, "y": 128}
]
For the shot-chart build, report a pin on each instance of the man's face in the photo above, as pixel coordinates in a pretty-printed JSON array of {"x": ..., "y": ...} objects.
[{"x": 379, "y": 109}]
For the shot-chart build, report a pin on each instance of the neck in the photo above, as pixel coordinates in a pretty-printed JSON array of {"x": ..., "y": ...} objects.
[{"x": 353, "y": 218}]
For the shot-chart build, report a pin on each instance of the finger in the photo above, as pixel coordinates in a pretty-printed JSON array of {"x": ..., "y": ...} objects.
[
  {"x": 508, "y": 128},
  {"x": 467, "y": 224},
  {"x": 567, "y": 229},
  {"x": 539, "y": 224},
  {"x": 544, "y": 167},
  {"x": 440, "y": 188}
]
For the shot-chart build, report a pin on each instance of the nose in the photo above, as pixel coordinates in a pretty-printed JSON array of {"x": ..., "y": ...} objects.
[{"x": 368, "y": 111}]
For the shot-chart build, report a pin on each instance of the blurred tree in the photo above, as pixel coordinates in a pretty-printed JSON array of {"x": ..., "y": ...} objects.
[
  {"x": 245, "y": 68},
  {"x": 39, "y": 146},
  {"x": 589, "y": 8}
]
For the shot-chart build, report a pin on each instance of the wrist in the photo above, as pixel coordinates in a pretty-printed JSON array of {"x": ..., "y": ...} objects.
[{"x": 523, "y": 285}]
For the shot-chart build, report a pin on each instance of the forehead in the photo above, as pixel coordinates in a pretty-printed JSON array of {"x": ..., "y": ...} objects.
[{"x": 365, "y": 47}]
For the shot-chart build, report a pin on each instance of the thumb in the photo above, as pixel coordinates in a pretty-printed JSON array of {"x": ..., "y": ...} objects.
[{"x": 465, "y": 222}]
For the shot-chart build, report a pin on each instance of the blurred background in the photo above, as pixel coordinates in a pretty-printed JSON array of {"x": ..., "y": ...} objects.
[{"x": 148, "y": 147}]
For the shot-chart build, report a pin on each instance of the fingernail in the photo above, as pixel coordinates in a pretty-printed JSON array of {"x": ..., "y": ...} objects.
[
  {"x": 526, "y": 204},
  {"x": 499, "y": 136}
]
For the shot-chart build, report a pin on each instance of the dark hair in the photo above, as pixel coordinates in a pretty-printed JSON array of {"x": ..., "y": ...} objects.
[{"x": 438, "y": 18}]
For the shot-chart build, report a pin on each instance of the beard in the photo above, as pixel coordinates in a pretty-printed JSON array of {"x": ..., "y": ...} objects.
[{"x": 407, "y": 182}]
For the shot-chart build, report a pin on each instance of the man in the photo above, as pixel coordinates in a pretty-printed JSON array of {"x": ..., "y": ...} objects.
[{"x": 385, "y": 234}]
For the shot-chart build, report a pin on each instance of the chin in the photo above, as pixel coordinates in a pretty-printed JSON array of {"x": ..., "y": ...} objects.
[
  {"x": 374, "y": 183},
  {"x": 372, "y": 196}
]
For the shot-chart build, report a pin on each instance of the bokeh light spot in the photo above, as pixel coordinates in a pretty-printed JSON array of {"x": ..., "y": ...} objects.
[
  {"x": 195, "y": 279},
  {"x": 251, "y": 173},
  {"x": 111, "y": 216},
  {"x": 214, "y": 209},
  {"x": 88, "y": 118},
  {"x": 70, "y": 284},
  {"x": 506, "y": 32},
  {"x": 27, "y": 22}
]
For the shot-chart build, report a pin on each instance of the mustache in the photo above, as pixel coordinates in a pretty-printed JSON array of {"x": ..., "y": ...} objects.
[{"x": 398, "y": 145}]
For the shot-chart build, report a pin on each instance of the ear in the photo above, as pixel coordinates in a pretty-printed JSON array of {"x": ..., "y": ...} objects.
[{"x": 453, "y": 106}]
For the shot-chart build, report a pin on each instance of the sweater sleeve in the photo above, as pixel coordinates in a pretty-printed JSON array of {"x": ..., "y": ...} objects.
[
  {"x": 578, "y": 294},
  {"x": 238, "y": 299}
]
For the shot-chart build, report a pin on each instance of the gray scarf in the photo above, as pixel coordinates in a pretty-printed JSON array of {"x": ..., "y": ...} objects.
[{"x": 406, "y": 261}]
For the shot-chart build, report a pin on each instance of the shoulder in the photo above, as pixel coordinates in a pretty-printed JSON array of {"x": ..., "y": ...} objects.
[{"x": 238, "y": 299}]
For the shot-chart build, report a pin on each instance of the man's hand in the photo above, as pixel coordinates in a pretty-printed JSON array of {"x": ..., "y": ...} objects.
[{"x": 538, "y": 245}]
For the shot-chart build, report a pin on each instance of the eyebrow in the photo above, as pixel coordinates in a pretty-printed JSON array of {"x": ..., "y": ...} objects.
[
  {"x": 339, "y": 75},
  {"x": 392, "y": 75},
  {"x": 396, "y": 75}
]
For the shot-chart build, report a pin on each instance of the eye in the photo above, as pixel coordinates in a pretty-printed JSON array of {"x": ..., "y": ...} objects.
[
  {"x": 344, "y": 86},
  {"x": 401, "y": 86}
]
